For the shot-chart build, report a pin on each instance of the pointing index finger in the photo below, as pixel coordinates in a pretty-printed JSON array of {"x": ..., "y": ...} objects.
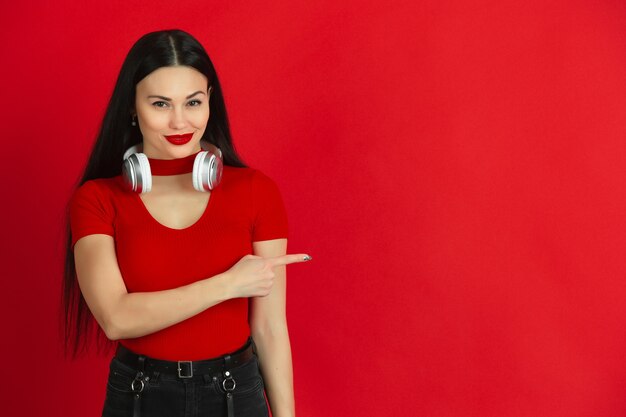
[{"x": 289, "y": 259}]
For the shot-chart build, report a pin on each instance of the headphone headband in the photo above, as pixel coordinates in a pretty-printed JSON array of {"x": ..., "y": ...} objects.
[{"x": 207, "y": 146}]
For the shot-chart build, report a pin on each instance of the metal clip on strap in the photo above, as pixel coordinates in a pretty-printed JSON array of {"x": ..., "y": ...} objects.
[
  {"x": 137, "y": 386},
  {"x": 229, "y": 386}
]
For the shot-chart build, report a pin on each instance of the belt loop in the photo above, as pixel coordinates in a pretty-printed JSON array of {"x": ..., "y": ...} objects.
[{"x": 138, "y": 385}]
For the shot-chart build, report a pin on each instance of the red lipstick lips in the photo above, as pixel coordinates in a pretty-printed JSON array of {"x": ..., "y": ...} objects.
[{"x": 179, "y": 139}]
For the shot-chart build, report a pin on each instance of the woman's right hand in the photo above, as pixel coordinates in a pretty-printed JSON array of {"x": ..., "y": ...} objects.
[{"x": 253, "y": 276}]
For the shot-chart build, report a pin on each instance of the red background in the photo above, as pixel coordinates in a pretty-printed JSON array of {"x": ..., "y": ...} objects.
[{"x": 455, "y": 168}]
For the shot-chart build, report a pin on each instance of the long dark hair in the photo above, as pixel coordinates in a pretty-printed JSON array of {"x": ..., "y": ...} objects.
[{"x": 152, "y": 51}]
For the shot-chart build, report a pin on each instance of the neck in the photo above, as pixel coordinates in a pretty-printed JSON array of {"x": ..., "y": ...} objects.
[{"x": 172, "y": 166}]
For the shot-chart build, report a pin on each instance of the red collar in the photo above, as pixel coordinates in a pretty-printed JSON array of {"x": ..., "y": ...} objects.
[{"x": 172, "y": 166}]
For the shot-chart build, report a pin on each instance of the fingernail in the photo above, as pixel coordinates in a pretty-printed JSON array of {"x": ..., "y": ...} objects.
[{"x": 307, "y": 258}]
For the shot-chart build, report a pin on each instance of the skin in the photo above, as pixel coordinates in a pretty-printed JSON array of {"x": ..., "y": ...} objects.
[
  {"x": 158, "y": 117},
  {"x": 173, "y": 202}
]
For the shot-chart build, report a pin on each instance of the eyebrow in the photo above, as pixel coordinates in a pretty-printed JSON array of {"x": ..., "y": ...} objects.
[{"x": 169, "y": 99}]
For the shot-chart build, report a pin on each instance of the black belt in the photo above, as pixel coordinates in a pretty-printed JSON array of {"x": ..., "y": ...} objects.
[{"x": 185, "y": 369}]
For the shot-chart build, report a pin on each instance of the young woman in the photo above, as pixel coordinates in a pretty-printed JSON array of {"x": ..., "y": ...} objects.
[{"x": 177, "y": 249}]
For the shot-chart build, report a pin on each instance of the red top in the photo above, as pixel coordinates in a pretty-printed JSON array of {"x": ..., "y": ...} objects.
[{"x": 245, "y": 207}]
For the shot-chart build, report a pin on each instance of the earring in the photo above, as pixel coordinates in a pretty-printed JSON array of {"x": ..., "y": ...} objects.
[{"x": 134, "y": 121}]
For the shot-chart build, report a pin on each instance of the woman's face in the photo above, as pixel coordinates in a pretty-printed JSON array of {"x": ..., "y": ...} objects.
[{"x": 172, "y": 101}]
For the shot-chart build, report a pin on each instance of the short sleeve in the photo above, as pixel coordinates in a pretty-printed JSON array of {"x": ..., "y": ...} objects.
[
  {"x": 270, "y": 216},
  {"x": 90, "y": 212}
]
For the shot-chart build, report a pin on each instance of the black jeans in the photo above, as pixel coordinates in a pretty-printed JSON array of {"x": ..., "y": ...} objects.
[{"x": 201, "y": 396}]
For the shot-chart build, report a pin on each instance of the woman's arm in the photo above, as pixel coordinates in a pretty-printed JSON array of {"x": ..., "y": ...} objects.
[
  {"x": 122, "y": 315},
  {"x": 268, "y": 322}
]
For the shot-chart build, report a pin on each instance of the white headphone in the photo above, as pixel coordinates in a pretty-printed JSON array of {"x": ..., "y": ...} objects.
[{"x": 206, "y": 175}]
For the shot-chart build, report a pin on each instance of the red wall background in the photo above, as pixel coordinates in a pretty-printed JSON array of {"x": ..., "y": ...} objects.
[{"x": 456, "y": 169}]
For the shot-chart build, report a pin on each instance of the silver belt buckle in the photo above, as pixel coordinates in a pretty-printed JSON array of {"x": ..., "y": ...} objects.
[{"x": 190, "y": 363}]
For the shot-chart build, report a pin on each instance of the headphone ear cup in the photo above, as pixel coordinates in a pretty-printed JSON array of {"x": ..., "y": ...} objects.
[
  {"x": 137, "y": 174},
  {"x": 195, "y": 174},
  {"x": 207, "y": 171}
]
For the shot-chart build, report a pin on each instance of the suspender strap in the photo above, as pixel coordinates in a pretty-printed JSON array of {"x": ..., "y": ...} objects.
[{"x": 229, "y": 405}]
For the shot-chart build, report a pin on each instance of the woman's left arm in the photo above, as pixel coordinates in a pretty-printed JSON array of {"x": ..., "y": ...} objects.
[{"x": 268, "y": 324}]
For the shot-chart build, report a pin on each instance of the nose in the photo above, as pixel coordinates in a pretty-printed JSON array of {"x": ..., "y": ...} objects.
[{"x": 178, "y": 119}]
